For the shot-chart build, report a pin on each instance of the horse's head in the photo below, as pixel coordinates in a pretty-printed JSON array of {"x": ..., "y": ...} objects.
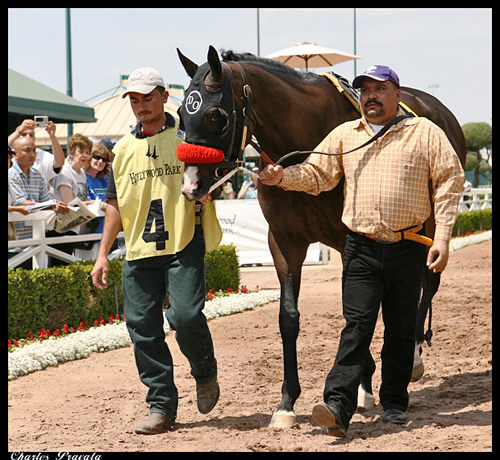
[{"x": 213, "y": 121}]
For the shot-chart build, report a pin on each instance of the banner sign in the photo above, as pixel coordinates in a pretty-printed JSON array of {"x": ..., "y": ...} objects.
[{"x": 244, "y": 225}]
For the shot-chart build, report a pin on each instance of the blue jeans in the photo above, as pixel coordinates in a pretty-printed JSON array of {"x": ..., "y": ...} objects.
[
  {"x": 376, "y": 274},
  {"x": 145, "y": 285}
]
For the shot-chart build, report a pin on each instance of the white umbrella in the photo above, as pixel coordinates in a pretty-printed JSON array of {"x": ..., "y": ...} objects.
[{"x": 307, "y": 54}]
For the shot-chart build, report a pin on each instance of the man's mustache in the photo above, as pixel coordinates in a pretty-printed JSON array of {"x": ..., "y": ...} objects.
[{"x": 373, "y": 101}]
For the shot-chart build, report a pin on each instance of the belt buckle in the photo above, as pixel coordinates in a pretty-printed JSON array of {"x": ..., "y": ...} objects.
[{"x": 385, "y": 237}]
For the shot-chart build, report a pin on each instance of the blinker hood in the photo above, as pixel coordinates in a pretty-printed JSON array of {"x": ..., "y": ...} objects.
[{"x": 197, "y": 101}]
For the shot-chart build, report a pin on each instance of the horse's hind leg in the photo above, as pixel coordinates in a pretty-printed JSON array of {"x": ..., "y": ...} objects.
[
  {"x": 288, "y": 258},
  {"x": 366, "y": 399},
  {"x": 430, "y": 286}
]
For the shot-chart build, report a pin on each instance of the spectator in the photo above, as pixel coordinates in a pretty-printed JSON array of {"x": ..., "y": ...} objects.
[
  {"x": 11, "y": 198},
  {"x": 47, "y": 163},
  {"x": 26, "y": 183},
  {"x": 97, "y": 171},
  {"x": 108, "y": 143},
  {"x": 72, "y": 181},
  {"x": 248, "y": 189}
]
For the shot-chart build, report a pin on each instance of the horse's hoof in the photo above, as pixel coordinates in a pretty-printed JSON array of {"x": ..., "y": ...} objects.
[
  {"x": 418, "y": 364},
  {"x": 417, "y": 371},
  {"x": 283, "y": 419},
  {"x": 366, "y": 400}
]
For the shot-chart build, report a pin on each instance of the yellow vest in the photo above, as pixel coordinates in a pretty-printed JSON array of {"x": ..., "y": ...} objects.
[{"x": 157, "y": 220}]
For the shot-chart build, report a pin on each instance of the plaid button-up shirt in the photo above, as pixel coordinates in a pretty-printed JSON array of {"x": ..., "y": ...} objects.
[
  {"x": 24, "y": 188},
  {"x": 386, "y": 183}
]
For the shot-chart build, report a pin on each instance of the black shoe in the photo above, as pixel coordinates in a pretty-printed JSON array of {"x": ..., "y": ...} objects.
[
  {"x": 207, "y": 395},
  {"x": 395, "y": 416},
  {"x": 329, "y": 417}
]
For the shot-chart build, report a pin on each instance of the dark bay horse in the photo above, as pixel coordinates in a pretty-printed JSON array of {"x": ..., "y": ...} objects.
[{"x": 228, "y": 101}]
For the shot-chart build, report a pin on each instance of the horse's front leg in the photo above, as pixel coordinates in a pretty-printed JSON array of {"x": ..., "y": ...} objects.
[{"x": 288, "y": 258}]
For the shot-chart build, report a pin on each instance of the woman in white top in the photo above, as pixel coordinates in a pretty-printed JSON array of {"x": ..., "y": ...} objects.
[{"x": 71, "y": 182}]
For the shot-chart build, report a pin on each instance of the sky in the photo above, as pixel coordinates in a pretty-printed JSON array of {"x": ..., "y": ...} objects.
[{"x": 446, "y": 52}]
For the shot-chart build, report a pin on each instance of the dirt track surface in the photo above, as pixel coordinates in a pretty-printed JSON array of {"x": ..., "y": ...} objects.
[{"x": 94, "y": 404}]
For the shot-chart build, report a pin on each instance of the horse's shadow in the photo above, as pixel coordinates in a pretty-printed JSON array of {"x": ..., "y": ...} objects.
[{"x": 439, "y": 406}]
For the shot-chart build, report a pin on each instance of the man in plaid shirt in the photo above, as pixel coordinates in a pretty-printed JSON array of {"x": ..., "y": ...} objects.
[{"x": 386, "y": 199}]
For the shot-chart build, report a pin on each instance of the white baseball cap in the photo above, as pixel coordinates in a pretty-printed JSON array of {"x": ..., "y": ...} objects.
[{"x": 143, "y": 81}]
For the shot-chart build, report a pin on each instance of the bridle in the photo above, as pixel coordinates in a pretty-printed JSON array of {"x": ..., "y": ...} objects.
[
  {"x": 246, "y": 112},
  {"x": 232, "y": 162}
]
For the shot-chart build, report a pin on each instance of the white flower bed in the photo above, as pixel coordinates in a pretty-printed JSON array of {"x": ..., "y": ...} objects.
[
  {"x": 52, "y": 351},
  {"x": 461, "y": 242}
]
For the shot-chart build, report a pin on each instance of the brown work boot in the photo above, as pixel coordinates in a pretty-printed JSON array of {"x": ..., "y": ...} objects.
[
  {"x": 207, "y": 395},
  {"x": 155, "y": 423},
  {"x": 329, "y": 417}
]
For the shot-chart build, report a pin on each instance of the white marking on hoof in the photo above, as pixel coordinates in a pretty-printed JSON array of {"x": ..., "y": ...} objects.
[
  {"x": 418, "y": 364},
  {"x": 366, "y": 400},
  {"x": 283, "y": 419}
]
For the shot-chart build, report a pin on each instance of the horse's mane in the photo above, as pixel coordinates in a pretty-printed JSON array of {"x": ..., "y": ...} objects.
[{"x": 270, "y": 65}]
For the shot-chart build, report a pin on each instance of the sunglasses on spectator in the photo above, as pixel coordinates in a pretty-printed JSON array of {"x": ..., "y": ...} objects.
[{"x": 97, "y": 157}]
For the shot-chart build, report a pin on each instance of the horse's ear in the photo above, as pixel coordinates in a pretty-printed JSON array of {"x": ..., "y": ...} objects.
[
  {"x": 188, "y": 65},
  {"x": 215, "y": 65}
]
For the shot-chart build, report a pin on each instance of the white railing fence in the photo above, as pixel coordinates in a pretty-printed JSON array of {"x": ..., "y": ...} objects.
[
  {"x": 477, "y": 199},
  {"x": 40, "y": 246}
]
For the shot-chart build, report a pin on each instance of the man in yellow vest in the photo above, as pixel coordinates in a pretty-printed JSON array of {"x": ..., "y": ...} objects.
[{"x": 166, "y": 238}]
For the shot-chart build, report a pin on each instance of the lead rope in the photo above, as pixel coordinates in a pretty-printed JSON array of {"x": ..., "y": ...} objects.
[
  {"x": 369, "y": 141},
  {"x": 229, "y": 175}
]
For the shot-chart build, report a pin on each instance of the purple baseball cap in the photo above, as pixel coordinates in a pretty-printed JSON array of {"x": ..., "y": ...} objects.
[{"x": 377, "y": 72}]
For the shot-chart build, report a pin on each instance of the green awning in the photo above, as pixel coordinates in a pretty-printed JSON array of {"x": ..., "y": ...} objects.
[{"x": 28, "y": 97}]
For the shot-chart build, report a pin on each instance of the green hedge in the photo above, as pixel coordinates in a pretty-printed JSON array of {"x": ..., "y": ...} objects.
[
  {"x": 473, "y": 221},
  {"x": 49, "y": 298},
  {"x": 222, "y": 270}
]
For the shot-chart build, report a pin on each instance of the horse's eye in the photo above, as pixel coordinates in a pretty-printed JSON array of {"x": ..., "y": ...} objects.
[{"x": 216, "y": 120}]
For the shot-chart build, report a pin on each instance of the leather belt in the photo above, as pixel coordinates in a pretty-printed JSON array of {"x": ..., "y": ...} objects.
[{"x": 390, "y": 237}]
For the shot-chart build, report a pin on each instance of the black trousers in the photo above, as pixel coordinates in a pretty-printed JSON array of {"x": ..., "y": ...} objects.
[{"x": 376, "y": 274}]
